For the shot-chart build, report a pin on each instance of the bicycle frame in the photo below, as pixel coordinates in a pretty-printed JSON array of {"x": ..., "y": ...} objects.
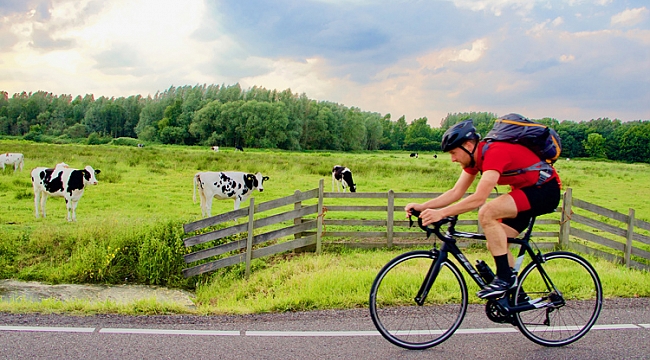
[{"x": 449, "y": 246}]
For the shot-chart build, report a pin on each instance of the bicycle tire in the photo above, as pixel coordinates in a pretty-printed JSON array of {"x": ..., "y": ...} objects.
[
  {"x": 577, "y": 281},
  {"x": 392, "y": 301}
]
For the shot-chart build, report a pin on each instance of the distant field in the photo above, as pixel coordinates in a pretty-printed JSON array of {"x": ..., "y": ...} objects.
[{"x": 149, "y": 190}]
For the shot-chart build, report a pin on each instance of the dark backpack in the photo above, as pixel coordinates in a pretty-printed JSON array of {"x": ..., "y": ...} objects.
[{"x": 539, "y": 138}]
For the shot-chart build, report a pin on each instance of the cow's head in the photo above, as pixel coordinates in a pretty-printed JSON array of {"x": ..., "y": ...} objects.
[
  {"x": 89, "y": 175},
  {"x": 255, "y": 181}
]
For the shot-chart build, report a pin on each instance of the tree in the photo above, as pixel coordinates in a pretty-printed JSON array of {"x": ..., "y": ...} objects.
[{"x": 595, "y": 145}]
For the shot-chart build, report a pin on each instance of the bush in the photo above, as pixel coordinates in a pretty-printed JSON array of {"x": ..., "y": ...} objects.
[
  {"x": 125, "y": 141},
  {"x": 96, "y": 139}
]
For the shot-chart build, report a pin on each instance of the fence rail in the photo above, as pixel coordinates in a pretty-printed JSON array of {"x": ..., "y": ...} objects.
[{"x": 309, "y": 220}]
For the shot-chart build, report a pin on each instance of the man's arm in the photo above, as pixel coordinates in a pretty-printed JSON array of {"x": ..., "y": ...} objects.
[
  {"x": 448, "y": 197},
  {"x": 485, "y": 185}
]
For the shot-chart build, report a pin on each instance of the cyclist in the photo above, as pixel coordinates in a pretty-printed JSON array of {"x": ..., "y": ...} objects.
[{"x": 507, "y": 215}]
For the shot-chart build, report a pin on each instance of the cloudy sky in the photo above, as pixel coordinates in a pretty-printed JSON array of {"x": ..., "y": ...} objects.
[{"x": 565, "y": 59}]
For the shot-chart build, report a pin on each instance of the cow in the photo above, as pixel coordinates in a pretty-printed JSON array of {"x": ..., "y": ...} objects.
[
  {"x": 62, "y": 181},
  {"x": 140, "y": 145},
  {"x": 342, "y": 175},
  {"x": 15, "y": 159},
  {"x": 239, "y": 148},
  {"x": 435, "y": 156},
  {"x": 215, "y": 148},
  {"x": 415, "y": 155},
  {"x": 225, "y": 185}
]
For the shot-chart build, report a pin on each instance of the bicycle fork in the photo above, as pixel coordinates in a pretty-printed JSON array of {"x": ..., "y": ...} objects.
[{"x": 431, "y": 276}]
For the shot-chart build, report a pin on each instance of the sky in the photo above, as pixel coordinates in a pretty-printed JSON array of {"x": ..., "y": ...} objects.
[{"x": 564, "y": 59}]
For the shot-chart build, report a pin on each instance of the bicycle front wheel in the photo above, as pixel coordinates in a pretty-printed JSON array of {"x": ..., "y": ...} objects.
[
  {"x": 397, "y": 316},
  {"x": 567, "y": 306}
]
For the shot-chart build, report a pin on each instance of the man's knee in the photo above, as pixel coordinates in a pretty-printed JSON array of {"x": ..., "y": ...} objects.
[{"x": 487, "y": 214}]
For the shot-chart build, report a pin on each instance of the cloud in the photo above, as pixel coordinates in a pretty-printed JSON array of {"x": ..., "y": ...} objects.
[{"x": 630, "y": 17}]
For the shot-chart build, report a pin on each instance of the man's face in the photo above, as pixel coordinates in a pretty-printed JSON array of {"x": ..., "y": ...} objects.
[{"x": 461, "y": 156}]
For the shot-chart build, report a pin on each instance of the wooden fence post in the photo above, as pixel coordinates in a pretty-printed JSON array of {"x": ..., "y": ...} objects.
[
  {"x": 249, "y": 241},
  {"x": 390, "y": 218},
  {"x": 319, "y": 219},
  {"x": 629, "y": 236},
  {"x": 298, "y": 220},
  {"x": 565, "y": 222}
]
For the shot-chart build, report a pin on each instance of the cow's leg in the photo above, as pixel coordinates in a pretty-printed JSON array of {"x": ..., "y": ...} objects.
[
  {"x": 37, "y": 203},
  {"x": 208, "y": 205},
  {"x": 74, "y": 209},
  {"x": 43, "y": 201},
  {"x": 237, "y": 202},
  {"x": 68, "y": 206}
]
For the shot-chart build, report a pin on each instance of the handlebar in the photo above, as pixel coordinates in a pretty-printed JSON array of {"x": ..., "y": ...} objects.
[{"x": 434, "y": 228}]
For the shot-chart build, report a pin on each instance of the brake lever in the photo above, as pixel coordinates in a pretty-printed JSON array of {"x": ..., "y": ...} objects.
[
  {"x": 432, "y": 228},
  {"x": 427, "y": 229}
]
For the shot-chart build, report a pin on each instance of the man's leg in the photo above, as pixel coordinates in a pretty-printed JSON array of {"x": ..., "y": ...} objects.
[{"x": 496, "y": 233}]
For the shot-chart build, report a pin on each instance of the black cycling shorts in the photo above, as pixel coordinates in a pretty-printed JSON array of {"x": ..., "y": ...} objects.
[{"x": 543, "y": 199}]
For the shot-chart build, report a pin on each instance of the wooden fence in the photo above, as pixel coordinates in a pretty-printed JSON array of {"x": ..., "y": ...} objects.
[
  {"x": 624, "y": 242},
  {"x": 311, "y": 220}
]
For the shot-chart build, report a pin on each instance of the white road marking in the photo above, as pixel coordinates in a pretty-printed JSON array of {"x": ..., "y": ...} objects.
[
  {"x": 312, "y": 333},
  {"x": 273, "y": 333},
  {"x": 47, "y": 329},
  {"x": 169, "y": 332}
]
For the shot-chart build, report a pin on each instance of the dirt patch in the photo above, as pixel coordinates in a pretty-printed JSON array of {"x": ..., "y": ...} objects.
[{"x": 121, "y": 294}]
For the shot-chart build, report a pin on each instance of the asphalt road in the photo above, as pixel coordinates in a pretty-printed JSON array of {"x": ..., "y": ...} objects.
[{"x": 622, "y": 332}]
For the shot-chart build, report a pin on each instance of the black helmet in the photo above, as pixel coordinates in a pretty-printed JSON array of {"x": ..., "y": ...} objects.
[{"x": 456, "y": 135}]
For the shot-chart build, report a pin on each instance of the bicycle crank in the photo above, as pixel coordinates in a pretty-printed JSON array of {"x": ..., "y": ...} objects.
[{"x": 495, "y": 312}]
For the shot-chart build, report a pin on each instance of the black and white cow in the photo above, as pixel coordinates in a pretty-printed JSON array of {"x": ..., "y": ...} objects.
[
  {"x": 226, "y": 185},
  {"x": 215, "y": 148},
  {"x": 342, "y": 175},
  {"x": 140, "y": 145},
  {"x": 415, "y": 155},
  {"x": 62, "y": 181},
  {"x": 15, "y": 159}
]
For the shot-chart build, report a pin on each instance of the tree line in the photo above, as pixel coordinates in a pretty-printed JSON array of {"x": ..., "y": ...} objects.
[{"x": 261, "y": 118}]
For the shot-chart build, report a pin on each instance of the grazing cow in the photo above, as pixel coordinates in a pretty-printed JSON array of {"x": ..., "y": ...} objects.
[
  {"x": 239, "y": 148},
  {"x": 15, "y": 159},
  {"x": 62, "y": 181},
  {"x": 140, "y": 145},
  {"x": 225, "y": 185},
  {"x": 342, "y": 175},
  {"x": 415, "y": 155},
  {"x": 435, "y": 156},
  {"x": 215, "y": 148}
]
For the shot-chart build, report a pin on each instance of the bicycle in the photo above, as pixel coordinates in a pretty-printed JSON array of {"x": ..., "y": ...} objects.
[{"x": 419, "y": 298}]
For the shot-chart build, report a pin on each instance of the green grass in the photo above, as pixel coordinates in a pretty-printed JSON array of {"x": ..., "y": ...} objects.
[{"x": 129, "y": 226}]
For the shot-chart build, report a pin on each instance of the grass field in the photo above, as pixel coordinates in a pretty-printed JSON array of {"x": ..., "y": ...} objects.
[{"x": 129, "y": 226}]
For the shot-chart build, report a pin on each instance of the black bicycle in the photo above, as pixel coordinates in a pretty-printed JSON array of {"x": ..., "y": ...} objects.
[{"x": 419, "y": 299}]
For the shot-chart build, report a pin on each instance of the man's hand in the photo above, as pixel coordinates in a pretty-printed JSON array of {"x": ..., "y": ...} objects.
[
  {"x": 429, "y": 216},
  {"x": 409, "y": 207}
]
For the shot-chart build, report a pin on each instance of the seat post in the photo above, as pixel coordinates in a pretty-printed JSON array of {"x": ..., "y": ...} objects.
[{"x": 529, "y": 230}]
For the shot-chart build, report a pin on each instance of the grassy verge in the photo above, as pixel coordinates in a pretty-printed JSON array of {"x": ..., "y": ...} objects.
[{"x": 337, "y": 279}]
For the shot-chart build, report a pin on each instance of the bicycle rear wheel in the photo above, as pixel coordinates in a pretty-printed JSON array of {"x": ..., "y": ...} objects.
[
  {"x": 392, "y": 301},
  {"x": 563, "y": 316}
]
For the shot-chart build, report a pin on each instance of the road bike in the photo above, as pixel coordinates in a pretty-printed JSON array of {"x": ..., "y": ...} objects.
[{"x": 419, "y": 298}]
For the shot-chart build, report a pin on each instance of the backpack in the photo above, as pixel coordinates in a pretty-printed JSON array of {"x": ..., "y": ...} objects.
[{"x": 541, "y": 139}]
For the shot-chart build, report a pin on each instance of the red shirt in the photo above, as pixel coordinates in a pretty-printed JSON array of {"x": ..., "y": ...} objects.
[{"x": 503, "y": 157}]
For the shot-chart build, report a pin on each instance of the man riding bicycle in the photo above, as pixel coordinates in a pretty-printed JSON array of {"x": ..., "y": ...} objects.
[{"x": 533, "y": 193}]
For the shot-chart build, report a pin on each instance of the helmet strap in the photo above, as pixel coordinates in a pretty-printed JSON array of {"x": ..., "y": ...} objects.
[{"x": 472, "y": 162}]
